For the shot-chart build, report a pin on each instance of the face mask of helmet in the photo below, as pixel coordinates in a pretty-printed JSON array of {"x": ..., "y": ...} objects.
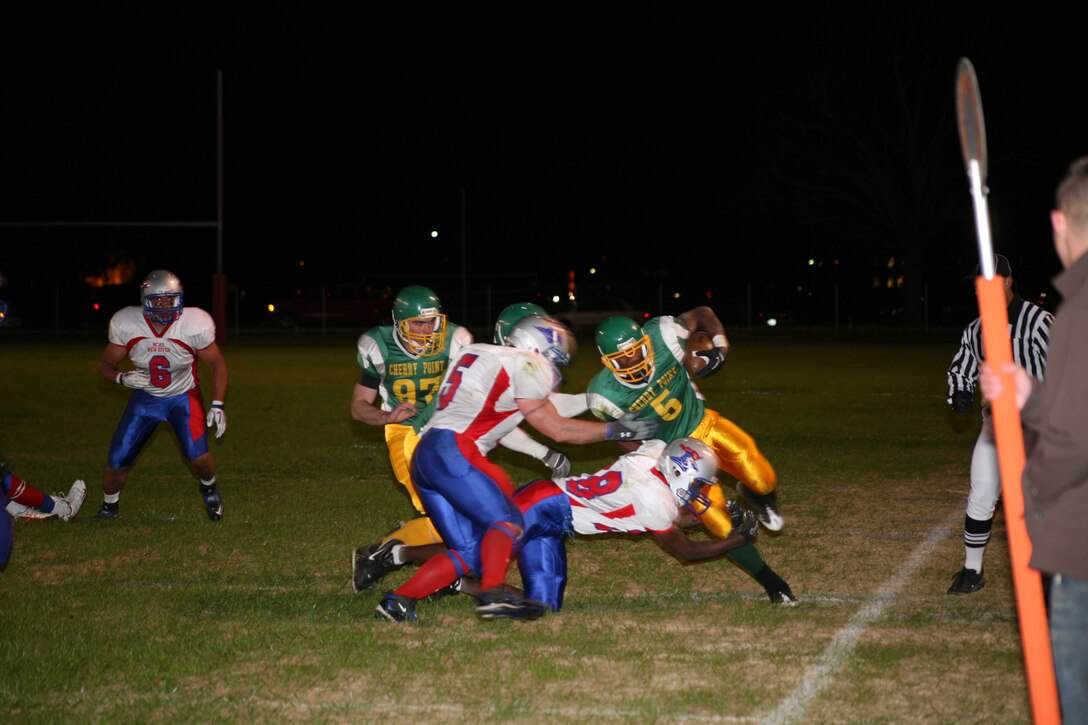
[{"x": 162, "y": 297}]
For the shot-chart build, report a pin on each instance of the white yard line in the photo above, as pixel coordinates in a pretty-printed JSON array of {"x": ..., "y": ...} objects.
[{"x": 842, "y": 645}]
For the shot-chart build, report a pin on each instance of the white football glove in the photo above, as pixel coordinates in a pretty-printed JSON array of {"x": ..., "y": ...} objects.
[
  {"x": 218, "y": 418},
  {"x": 135, "y": 379}
]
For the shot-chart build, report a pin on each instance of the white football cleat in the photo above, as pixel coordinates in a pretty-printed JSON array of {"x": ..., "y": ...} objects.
[{"x": 67, "y": 507}]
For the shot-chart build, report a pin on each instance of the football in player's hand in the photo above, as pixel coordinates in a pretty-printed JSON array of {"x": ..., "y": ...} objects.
[{"x": 697, "y": 341}]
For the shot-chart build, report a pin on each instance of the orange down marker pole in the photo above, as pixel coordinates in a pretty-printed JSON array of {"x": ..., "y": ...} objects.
[{"x": 1009, "y": 435}]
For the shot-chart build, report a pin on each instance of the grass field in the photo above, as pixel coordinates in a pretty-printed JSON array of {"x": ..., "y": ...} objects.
[{"x": 163, "y": 616}]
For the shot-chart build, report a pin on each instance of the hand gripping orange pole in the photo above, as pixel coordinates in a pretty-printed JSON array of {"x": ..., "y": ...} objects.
[{"x": 1034, "y": 632}]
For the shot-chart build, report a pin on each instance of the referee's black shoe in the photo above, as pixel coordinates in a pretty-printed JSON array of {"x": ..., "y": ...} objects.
[{"x": 967, "y": 581}]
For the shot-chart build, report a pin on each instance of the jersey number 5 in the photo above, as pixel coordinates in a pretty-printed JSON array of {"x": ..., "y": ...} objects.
[{"x": 449, "y": 388}]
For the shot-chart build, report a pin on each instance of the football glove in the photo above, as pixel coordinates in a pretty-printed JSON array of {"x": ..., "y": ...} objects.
[
  {"x": 135, "y": 379},
  {"x": 218, "y": 418},
  {"x": 961, "y": 401},
  {"x": 559, "y": 463},
  {"x": 629, "y": 428},
  {"x": 714, "y": 361}
]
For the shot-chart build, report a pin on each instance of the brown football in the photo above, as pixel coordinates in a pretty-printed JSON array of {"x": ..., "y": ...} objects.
[{"x": 697, "y": 341}]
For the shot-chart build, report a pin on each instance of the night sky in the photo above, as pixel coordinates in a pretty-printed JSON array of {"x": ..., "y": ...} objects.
[{"x": 705, "y": 152}]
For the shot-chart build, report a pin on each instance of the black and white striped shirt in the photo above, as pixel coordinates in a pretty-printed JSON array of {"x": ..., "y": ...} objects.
[{"x": 1029, "y": 330}]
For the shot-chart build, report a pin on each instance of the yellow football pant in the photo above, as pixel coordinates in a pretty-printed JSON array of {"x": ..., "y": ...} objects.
[
  {"x": 738, "y": 454},
  {"x": 401, "y": 440}
]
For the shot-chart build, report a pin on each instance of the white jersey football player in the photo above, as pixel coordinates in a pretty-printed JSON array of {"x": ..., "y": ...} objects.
[
  {"x": 164, "y": 340},
  {"x": 484, "y": 395},
  {"x": 653, "y": 489}
]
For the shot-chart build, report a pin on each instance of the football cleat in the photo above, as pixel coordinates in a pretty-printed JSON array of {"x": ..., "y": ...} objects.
[
  {"x": 765, "y": 506},
  {"x": 967, "y": 581},
  {"x": 396, "y": 608},
  {"x": 370, "y": 563},
  {"x": 67, "y": 507},
  {"x": 783, "y": 596},
  {"x": 447, "y": 591},
  {"x": 499, "y": 604},
  {"x": 213, "y": 502},
  {"x": 108, "y": 511}
]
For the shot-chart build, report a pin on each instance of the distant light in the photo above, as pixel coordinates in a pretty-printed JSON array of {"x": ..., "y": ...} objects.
[
  {"x": 811, "y": 262},
  {"x": 302, "y": 262},
  {"x": 434, "y": 234},
  {"x": 96, "y": 306},
  {"x": 555, "y": 299},
  {"x": 593, "y": 270},
  {"x": 271, "y": 308},
  {"x": 772, "y": 322},
  {"x": 676, "y": 295}
]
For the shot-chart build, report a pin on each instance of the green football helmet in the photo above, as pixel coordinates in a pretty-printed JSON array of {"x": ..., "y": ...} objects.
[
  {"x": 626, "y": 350},
  {"x": 510, "y": 315},
  {"x": 418, "y": 320}
]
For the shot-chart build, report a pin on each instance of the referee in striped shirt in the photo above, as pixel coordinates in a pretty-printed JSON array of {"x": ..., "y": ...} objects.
[{"x": 1029, "y": 329}]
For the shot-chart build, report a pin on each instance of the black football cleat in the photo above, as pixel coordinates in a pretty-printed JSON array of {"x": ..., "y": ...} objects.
[
  {"x": 498, "y": 604},
  {"x": 370, "y": 563},
  {"x": 396, "y": 608}
]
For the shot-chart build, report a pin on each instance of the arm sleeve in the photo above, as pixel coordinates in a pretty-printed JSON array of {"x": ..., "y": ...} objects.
[
  {"x": 569, "y": 405},
  {"x": 963, "y": 372},
  {"x": 520, "y": 441},
  {"x": 1040, "y": 341},
  {"x": 603, "y": 408}
]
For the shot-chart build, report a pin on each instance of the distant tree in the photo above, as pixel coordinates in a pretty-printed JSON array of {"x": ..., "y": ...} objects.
[{"x": 862, "y": 151}]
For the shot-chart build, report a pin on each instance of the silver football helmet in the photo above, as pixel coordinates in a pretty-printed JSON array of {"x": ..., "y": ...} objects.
[
  {"x": 690, "y": 467},
  {"x": 546, "y": 335},
  {"x": 162, "y": 297}
]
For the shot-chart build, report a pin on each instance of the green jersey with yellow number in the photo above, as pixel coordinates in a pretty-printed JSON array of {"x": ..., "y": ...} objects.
[
  {"x": 670, "y": 396},
  {"x": 406, "y": 377}
]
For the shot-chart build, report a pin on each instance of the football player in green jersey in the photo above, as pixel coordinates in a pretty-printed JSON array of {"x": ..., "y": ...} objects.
[
  {"x": 403, "y": 363},
  {"x": 645, "y": 372}
]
